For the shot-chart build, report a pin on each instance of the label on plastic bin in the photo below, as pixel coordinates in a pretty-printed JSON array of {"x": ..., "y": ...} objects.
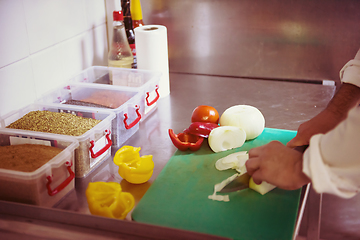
[
  {"x": 28, "y": 140},
  {"x": 120, "y": 78}
]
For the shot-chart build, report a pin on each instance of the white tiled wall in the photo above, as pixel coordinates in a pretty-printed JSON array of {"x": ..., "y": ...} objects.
[{"x": 44, "y": 42}]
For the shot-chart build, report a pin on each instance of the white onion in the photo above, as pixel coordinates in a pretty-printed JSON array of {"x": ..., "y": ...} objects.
[
  {"x": 219, "y": 186},
  {"x": 246, "y": 117},
  {"x": 224, "y": 198},
  {"x": 233, "y": 161},
  {"x": 225, "y": 138},
  {"x": 261, "y": 188},
  {"x": 237, "y": 161}
]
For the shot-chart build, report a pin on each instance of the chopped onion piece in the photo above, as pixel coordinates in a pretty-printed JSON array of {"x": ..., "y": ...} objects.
[
  {"x": 226, "y": 137},
  {"x": 261, "y": 188},
  {"x": 224, "y": 198},
  {"x": 237, "y": 161},
  {"x": 219, "y": 186},
  {"x": 233, "y": 161}
]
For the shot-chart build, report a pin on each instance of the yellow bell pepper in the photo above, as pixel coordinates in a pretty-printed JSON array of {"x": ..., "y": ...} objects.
[
  {"x": 107, "y": 199},
  {"x": 132, "y": 167}
]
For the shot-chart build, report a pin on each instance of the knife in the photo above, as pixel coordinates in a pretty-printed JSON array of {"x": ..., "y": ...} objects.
[
  {"x": 239, "y": 183},
  {"x": 242, "y": 181}
]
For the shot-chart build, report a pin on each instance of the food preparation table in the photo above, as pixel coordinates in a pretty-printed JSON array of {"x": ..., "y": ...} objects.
[{"x": 284, "y": 104}]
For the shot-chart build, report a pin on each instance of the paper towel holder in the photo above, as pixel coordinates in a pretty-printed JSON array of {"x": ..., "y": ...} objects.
[{"x": 151, "y": 28}]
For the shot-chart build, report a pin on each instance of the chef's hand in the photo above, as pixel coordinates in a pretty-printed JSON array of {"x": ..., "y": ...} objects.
[{"x": 278, "y": 165}]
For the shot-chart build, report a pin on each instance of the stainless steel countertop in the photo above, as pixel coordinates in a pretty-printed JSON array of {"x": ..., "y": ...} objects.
[{"x": 285, "y": 105}]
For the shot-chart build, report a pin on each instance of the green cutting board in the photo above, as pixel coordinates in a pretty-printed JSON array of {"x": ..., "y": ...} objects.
[{"x": 178, "y": 198}]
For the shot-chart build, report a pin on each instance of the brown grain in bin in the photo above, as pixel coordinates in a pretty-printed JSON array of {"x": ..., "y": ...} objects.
[
  {"x": 54, "y": 122},
  {"x": 109, "y": 99},
  {"x": 26, "y": 157},
  {"x": 31, "y": 189},
  {"x": 61, "y": 123}
]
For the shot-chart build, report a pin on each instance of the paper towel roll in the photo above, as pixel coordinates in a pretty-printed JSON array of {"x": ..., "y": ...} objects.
[{"x": 152, "y": 53}]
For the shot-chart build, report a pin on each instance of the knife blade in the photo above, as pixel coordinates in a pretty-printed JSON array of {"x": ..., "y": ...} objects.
[
  {"x": 242, "y": 181},
  {"x": 239, "y": 183}
]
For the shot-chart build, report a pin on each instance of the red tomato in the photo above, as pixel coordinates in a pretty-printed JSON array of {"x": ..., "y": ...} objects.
[{"x": 205, "y": 113}]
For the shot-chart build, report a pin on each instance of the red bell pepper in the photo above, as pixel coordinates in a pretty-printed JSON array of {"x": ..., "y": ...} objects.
[
  {"x": 184, "y": 141},
  {"x": 201, "y": 129}
]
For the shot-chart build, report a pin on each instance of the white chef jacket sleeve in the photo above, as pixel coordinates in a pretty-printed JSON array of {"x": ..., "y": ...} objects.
[
  {"x": 350, "y": 73},
  {"x": 332, "y": 161}
]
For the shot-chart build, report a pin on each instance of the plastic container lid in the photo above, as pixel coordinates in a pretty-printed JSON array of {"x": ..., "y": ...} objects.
[{"x": 118, "y": 16}]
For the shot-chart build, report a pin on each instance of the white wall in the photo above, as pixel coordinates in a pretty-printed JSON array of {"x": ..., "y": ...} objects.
[{"x": 44, "y": 42}]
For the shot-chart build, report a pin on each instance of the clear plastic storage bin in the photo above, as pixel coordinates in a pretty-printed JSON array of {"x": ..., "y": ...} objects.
[
  {"x": 145, "y": 81},
  {"x": 126, "y": 105},
  {"x": 94, "y": 145},
  {"x": 48, "y": 184}
]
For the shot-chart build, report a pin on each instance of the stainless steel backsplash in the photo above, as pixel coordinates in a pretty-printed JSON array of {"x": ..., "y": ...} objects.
[{"x": 270, "y": 39}]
